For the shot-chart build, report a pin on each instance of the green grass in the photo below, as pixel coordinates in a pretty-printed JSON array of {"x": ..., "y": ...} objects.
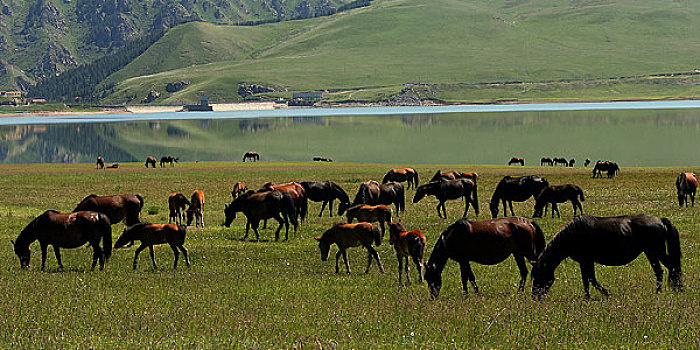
[
  {"x": 49, "y": 107},
  {"x": 451, "y": 42},
  {"x": 241, "y": 294}
]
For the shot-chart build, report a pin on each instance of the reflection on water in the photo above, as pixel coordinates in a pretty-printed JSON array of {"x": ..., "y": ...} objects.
[{"x": 646, "y": 137}]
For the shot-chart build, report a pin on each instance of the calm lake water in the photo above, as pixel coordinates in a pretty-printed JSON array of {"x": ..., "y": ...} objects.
[{"x": 641, "y": 135}]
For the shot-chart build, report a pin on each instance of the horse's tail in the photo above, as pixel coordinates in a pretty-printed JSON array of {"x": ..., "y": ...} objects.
[
  {"x": 387, "y": 215},
  {"x": 673, "y": 244},
  {"x": 304, "y": 209},
  {"x": 132, "y": 215},
  {"x": 377, "y": 235},
  {"x": 538, "y": 240},
  {"x": 415, "y": 178},
  {"x": 105, "y": 230},
  {"x": 401, "y": 200},
  {"x": 182, "y": 231},
  {"x": 580, "y": 194},
  {"x": 417, "y": 249},
  {"x": 475, "y": 199},
  {"x": 386, "y": 179},
  {"x": 289, "y": 209},
  {"x": 141, "y": 202}
]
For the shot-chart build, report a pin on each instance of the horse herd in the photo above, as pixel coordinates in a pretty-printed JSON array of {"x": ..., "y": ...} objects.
[{"x": 585, "y": 239}]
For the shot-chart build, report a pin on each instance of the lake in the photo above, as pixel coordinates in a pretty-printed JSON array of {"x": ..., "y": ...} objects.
[{"x": 646, "y": 134}]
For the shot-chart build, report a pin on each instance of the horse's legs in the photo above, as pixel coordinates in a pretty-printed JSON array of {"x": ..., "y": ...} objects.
[
  {"x": 576, "y": 204},
  {"x": 692, "y": 198},
  {"x": 153, "y": 257},
  {"x": 510, "y": 204},
  {"x": 520, "y": 260},
  {"x": 408, "y": 275},
  {"x": 337, "y": 256},
  {"x": 184, "y": 252},
  {"x": 438, "y": 210},
  {"x": 323, "y": 206},
  {"x": 373, "y": 253},
  {"x": 44, "y": 246},
  {"x": 58, "y": 257},
  {"x": 279, "y": 228},
  {"x": 444, "y": 209},
  {"x": 658, "y": 272},
  {"x": 330, "y": 208},
  {"x": 505, "y": 209},
  {"x": 176, "y": 253},
  {"x": 255, "y": 225},
  {"x": 555, "y": 208},
  {"x": 345, "y": 259},
  {"x": 467, "y": 275},
  {"x": 247, "y": 229},
  {"x": 588, "y": 273},
  {"x": 136, "y": 254},
  {"x": 400, "y": 258},
  {"x": 466, "y": 206}
]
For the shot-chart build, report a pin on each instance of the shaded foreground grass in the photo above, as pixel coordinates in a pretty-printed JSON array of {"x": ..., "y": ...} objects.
[{"x": 241, "y": 294}]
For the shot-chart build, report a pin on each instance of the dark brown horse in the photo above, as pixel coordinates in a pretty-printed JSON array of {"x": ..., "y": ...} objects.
[
  {"x": 196, "y": 209},
  {"x": 100, "y": 164},
  {"x": 259, "y": 206},
  {"x": 408, "y": 175},
  {"x": 485, "y": 242},
  {"x": 168, "y": 160},
  {"x": 255, "y": 156},
  {"x": 151, "y": 160},
  {"x": 370, "y": 213},
  {"x": 546, "y": 161},
  {"x": 601, "y": 166},
  {"x": 177, "y": 202},
  {"x": 587, "y": 162},
  {"x": 560, "y": 161},
  {"x": 298, "y": 194},
  {"x": 572, "y": 162},
  {"x": 407, "y": 243},
  {"x": 517, "y": 189},
  {"x": 558, "y": 194},
  {"x": 153, "y": 234},
  {"x": 238, "y": 189},
  {"x": 66, "y": 230},
  {"x": 371, "y": 192},
  {"x": 686, "y": 185},
  {"x": 350, "y": 235},
  {"x": 445, "y": 190},
  {"x": 611, "y": 241},
  {"x": 326, "y": 192},
  {"x": 115, "y": 207},
  {"x": 453, "y": 175},
  {"x": 516, "y": 160}
]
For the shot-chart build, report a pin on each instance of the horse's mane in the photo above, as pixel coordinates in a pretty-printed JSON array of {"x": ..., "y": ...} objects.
[
  {"x": 343, "y": 196},
  {"x": 554, "y": 251}
]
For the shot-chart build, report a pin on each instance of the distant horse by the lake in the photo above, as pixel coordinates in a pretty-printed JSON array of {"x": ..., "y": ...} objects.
[
  {"x": 371, "y": 192},
  {"x": 151, "y": 160},
  {"x": 445, "y": 190},
  {"x": 196, "y": 209},
  {"x": 408, "y": 175},
  {"x": 485, "y": 242},
  {"x": 546, "y": 161},
  {"x": 558, "y": 194},
  {"x": 66, "y": 230},
  {"x": 153, "y": 234},
  {"x": 407, "y": 244},
  {"x": 326, "y": 192},
  {"x": 517, "y": 189},
  {"x": 322, "y": 159},
  {"x": 516, "y": 160},
  {"x": 601, "y": 166},
  {"x": 351, "y": 235},
  {"x": 168, "y": 160},
  {"x": 251, "y": 155},
  {"x": 611, "y": 241},
  {"x": 560, "y": 161},
  {"x": 238, "y": 189},
  {"x": 587, "y": 162},
  {"x": 100, "y": 164},
  {"x": 257, "y": 206},
  {"x": 454, "y": 175},
  {"x": 177, "y": 203},
  {"x": 117, "y": 207},
  {"x": 572, "y": 162},
  {"x": 370, "y": 213},
  {"x": 686, "y": 185}
]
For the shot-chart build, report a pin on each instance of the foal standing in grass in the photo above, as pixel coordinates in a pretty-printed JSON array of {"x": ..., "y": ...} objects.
[
  {"x": 351, "y": 235},
  {"x": 370, "y": 213},
  {"x": 407, "y": 243},
  {"x": 152, "y": 234}
]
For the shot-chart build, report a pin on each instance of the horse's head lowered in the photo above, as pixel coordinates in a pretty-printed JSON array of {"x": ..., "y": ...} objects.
[
  {"x": 230, "y": 213},
  {"x": 325, "y": 248},
  {"x": 542, "y": 279},
  {"x": 434, "y": 279},
  {"x": 493, "y": 206},
  {"x": 23, "y": 253},
  {"x": 342, "y": 207}
]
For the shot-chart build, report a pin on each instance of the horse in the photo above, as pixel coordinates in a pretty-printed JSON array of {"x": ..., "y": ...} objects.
[
  {"x": 298, "y": 194},
  {"x": 587, "y": 162},
  {"x": 572, "y": 161},
  {"x": 255, "y": 156},
  {"x": 603, "y": 165},
  {"x": 558, "y": 194},
  {"x": 444, "y": 190},
  {"x": 322, "y": 159},
  {"x": 66, "y": 230},
  {"x": 517, "y": 189},
  {"x": 371, "y": 192},
  {"x": 560, "y": 161},
  {"x": 686, "y": 185},
  {"x": 177, "y": 202},
  {"x": 116, "y": 207},
  {"x": 546, "y": 161},
  {"x": 325, "y": 192},
  {"x": 350, "y": 235},
  {"x": 168, "y": 159},
  {"x": 453, "y": 175},
  {"x": 152, "y": 234},
  {"x": 408, "y": 175},
  {"x": 258, "y": 206},
  {"x": 100, "y": 164},
  {"x": 151, "y": 160},
  {"x": 370, "y": 213},
  {"x": 407, "y": 243},
  {"x": 516, "y": 160},
  {"x": 196, "y": 209},
  {"x": 238, "y": 189},
  {"x": 485, "y": 242},
  {"x": 611, "y": 241}
]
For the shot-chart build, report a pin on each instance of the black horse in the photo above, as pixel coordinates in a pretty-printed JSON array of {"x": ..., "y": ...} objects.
[
  {"x": 325, "y": 192},
  {"x": 168, "y": 160},
  {"x": 611, "y": 241},
  {"x": 558, "y": 194},
  {"x": 611, "y": 168},
  {"x": 560, "y": 161},
  {"x": 517, "y": 189},
  {"x": 261, "y": 206},
  {"x": 572, "y": 162},
  {"x": 516, "y": 160},
  {"x": 587, "y": 162},
  {"x": 373, "y": 193},
  {"x": 546, "y": 161},
  {"x": 450, "y": 189}
]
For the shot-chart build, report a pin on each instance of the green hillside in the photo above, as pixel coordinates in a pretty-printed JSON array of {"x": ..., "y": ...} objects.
[{"x": 373, "y": 51}]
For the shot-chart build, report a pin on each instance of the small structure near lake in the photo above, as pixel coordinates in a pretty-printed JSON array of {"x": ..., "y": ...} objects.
[
  {"x": 304, "y": 98},
  {"x": 203, "y": 106}
]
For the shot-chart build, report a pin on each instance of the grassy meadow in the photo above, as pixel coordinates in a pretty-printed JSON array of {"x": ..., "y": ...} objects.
[{"x": 243, "y": 294}]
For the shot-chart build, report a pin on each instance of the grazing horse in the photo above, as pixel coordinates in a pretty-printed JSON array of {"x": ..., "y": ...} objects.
[
  {"x": 298, "y": 193},
  {"x": 113, "y": 166},
  {"x": 444, "y": 190},
  {"x": 238, "y": 189},
  {"x": 572, "y": 161},
  {"x": 517, "y": 189},
  {"x": 407, "y": 243},
  {"x": 516, "y": 160},
  {"x": 371, "y": 192},
  {"x": 546, "y": 161},
  {"x": 325, "y": 192},
  {"x": 116, "y": 207},
  {"x": 485, "y": 242},
  {"x": 258, "y": 206},
  {"x": 453, "y": 175},
  {"x": 686, "y": 185},
  {"x": 152, "y": 234},
  {"x": 558, "y": 194},
  {"x": 350, "y": 235},
  {"x": 255, "y": 156},
  {"x": 587, "y": 162},
  {"x": 196, "y": 209},
  {"x": 168, "y": 159},
  {"x": 611, "y": 241},
  {"x": 603, "y": 165},
  {"x": 100, "y": 163},
  {"x": 560, "y": 161},
  {"x": 177, "y": 202},
  {"x": 151, "y": 160},
  {"x": 322, "y": 159},
  {"x": 66, "y": 230},
  {"x": 370, "y": 213},
  {"x": 408, "y": 175}
]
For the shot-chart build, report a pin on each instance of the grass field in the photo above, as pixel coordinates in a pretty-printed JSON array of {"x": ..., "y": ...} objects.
[{"x": 241, "y": 294}]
